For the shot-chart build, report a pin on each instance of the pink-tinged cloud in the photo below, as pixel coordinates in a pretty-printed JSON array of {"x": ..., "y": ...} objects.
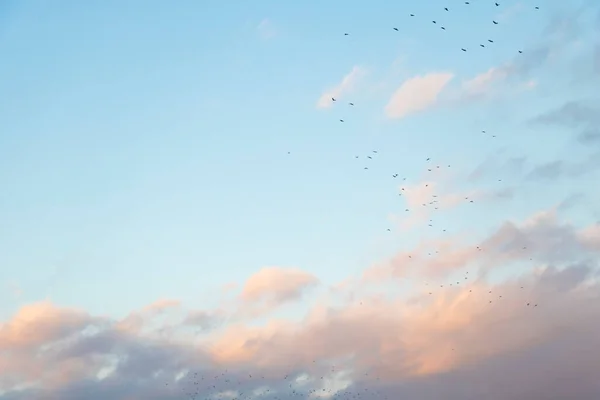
[
  {"x": 426, "y": 197},
  {"x": 417, "y": 94},
  {"x": 531, "y": 336},
  {"x": 542, "y": 237},
  {"x": 277, "y": 285},
  {"x": 40, "y": 323}
]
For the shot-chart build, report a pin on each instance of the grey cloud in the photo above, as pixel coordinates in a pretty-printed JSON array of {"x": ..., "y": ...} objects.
[
  {"x": 202, "y": 319},
  {"x": 562, "y": 169},
  {"x": 590, "y": 136},
  {"x": 571, "y": 201},
  {"x": 572, "y": 114},
  {"x": 562, "y": 331},
  {"x": 561, "y": 30},
  {"x": 513, "y": 166},
  {"x": 550, "y": 170},
  {"x": 543, "y": 239},
  {"x": 596, "y": 60},
  {"x": 580, "y": 116}
]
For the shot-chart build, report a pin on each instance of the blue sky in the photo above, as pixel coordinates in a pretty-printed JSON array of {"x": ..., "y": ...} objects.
[
  {"x": 143, "y": 146},
  {"x": 177, "y": 193}
]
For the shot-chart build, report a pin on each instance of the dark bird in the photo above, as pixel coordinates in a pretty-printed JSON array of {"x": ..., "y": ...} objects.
[
  {"x": 446, "y": 8},
  {"x": 412, "y": 15},
  {"x": 341, "y": 120},
  {"x": 434, "y": 22},
  {"x": 490, "y": 40},
  {"x": 464, "y": 49},
  {"x": 346, "y": 34},
  {"x": 497, "y": 4},
  {"x": 495, "y": 23},
  {"x": 443, "y": 28},
  {"x": 333, "y": 99},
  {"x": 396, "y": 29},
  {"x": 351, "y": 104},
  {"x": 482, "y": 45}
]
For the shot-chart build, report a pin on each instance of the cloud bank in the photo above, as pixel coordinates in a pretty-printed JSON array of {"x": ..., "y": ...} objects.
[{"x": 458, "y": 332}]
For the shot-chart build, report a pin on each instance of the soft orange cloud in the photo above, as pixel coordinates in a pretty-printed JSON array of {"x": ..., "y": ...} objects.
[
  {"x": 405, "y": 342},
  {"x": 417, "y": 94},
  {"x": 275, "y": 284},
  {"x": 40, "y": 323}
]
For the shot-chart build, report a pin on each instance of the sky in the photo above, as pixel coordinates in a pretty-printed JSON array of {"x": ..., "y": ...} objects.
[{"x": 180, "y": 198}]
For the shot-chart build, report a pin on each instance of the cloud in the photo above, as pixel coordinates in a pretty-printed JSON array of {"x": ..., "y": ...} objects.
[
  {"x": 482, "y": 84},
  {"x": 541, "y": 238},
  {"x": 425, "y": 198},
  {"x": 597, "y": 59},
  {"x": 344, "y": 88},
  {"x": 521, "y": 168},
  {"x": 572, "y": 114},
  {"x": 558, "y": 169},
  {"x": 204, "y": 320},
  {"x": 462, "y": 342},
  {"x": 417, "y": 94},
  {"x": 493, "y": 165},
  {"x": 266, "y": 30},
  {"x": 478, "y": 338},
  {"x": 581, "y": 116},
  {"x": 276, "y": 285}
]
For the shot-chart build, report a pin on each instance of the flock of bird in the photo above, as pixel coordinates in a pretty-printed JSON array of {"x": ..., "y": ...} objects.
[
  {"x": 207, "y": 386},
  {"x": 234, "y": 387},
  {"x": 433, "y": 202}
]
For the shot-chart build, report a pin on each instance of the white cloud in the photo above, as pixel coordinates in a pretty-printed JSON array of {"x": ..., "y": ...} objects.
[
  {"x": 265, "y": 29},
  {"x": 482, "y": 83},
  {"x": 417, "y": 94},
  {"x": 345, "y": 87}
]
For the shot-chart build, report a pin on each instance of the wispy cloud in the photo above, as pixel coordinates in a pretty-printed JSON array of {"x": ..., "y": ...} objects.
[
  {"x": 266, "y": 29},
  {"x": 343, "y": 89},
  {"x": 417, "y": 94}
]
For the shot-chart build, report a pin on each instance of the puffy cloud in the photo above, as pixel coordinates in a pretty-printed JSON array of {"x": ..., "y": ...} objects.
[
  {"x": 344, "y": 88},
  {"x": 417, "y": 94},
  {"x": 40, "y": 323},
  {"x": 480, "y": 338}
]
